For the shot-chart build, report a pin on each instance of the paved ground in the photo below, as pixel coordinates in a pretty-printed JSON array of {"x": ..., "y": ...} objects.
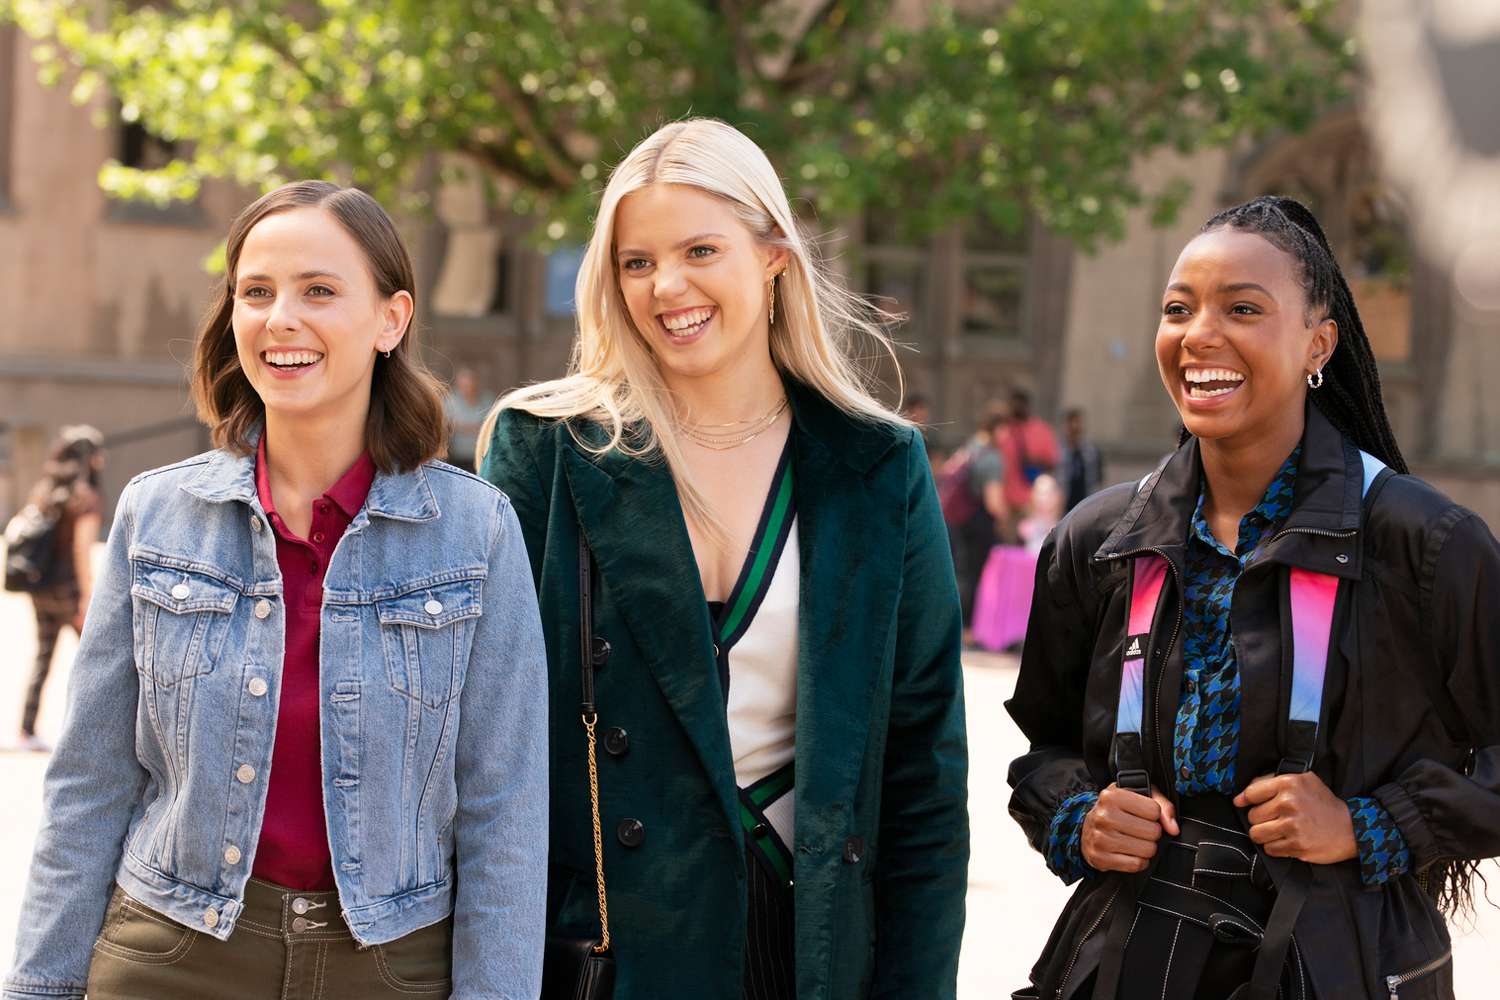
[{"x": 1012, "y": 898}]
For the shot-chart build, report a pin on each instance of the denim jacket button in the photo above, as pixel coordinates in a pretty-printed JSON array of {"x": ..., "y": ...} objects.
[
  {"x": 433, "y": 607},
  {"x": 262, "y": 609},
  {"x": 255, "y": 523},
  {"x": 258, "y": 686},
  {"x": 211, "y": 918},
  {"x": 245, "y": 774},
  {"x": 232, "y": 854},
  {"x": 181, "y": 591}
]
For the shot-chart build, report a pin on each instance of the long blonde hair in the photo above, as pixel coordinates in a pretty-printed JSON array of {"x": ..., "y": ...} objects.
[{"x": 613, "y": 379}]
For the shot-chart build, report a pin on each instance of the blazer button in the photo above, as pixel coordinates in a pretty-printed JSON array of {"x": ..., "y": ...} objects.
[
  {"x": 617, "y": 741},
  {"x": 602, "y": 649},
  {"x": 854, "y": 850},
  {"x": 631, "y": 832}
]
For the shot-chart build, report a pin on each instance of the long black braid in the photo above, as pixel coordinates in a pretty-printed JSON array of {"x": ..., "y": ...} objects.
[{"x": 1350, "y": 395}]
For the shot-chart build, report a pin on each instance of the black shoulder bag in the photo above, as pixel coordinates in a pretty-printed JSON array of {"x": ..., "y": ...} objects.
[{"x": 583, "y": 968}]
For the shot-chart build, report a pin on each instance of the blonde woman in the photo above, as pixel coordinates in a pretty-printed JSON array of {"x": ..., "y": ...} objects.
[{"x": 782, "y": 760}]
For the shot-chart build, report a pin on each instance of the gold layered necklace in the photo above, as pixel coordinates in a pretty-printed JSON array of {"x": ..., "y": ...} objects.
[{"x": 735, "y": 433}]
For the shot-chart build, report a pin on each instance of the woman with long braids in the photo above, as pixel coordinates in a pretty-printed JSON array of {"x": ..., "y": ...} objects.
[
  {"x": 1262, "y": 685},
  {"x": 777, "y": 691}
]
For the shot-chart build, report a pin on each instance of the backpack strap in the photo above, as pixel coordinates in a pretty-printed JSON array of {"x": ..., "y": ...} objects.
[{"x": 1148, "y": 574}]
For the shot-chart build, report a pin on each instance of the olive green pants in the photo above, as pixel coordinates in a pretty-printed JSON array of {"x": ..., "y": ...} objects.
[{"x": 286, "y": 946}]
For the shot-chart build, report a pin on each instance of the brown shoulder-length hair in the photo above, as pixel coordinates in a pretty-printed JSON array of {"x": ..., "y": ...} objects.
[{"x": 406, "y": 425}]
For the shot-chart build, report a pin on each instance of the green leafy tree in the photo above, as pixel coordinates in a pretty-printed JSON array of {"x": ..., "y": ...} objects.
[{"x": 1010, "y": 108}]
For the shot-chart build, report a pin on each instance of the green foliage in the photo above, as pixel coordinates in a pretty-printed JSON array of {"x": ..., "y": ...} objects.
[{"x": 1038, "y": 107}]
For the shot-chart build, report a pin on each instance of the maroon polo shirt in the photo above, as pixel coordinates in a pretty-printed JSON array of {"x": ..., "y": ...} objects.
[{"x": 293, "y": 849}]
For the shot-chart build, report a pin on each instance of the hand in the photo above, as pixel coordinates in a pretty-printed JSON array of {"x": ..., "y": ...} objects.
[
  {"x": 1297, "y": 816},
  {"x": 1121, "y": 831}
]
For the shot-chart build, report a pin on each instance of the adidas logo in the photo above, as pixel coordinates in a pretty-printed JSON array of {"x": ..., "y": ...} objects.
[{"x": 1134, "y": 649}]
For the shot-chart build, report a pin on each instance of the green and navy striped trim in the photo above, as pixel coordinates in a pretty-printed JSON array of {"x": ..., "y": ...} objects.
[
  {"x": 760, "y": 835},
  {"x": 765, "y": 552}
]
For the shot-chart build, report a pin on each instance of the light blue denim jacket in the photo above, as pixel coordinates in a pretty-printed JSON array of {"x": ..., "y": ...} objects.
[{"x": 433, "y": 687}]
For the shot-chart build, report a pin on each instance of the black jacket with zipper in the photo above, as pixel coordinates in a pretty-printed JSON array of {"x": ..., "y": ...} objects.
[{"x": 1411, "y": 706}]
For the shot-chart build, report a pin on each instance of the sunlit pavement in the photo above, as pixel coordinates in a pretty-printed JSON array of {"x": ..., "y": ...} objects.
[{"x": 1012, "y": 898}]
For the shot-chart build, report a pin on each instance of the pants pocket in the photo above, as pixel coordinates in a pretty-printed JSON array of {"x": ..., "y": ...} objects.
[
  {"x": 420, "y": 962},
  {"x": 134, "y": 933}
]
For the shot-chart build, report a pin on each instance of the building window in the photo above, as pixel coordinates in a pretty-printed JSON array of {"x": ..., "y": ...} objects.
[
  {"x": 994, "y": 281},
  {"x": 140, "y": 150},
  {"x": 895, "y": 273}
]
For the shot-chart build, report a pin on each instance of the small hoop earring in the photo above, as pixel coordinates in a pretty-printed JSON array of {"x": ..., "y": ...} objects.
[
  {"x": 1315, "y": 380},
  {"x": 387, "y": 353}
]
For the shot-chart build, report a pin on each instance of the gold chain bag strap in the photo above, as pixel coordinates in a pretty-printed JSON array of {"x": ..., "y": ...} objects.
[{"x": 583, "y": 968}]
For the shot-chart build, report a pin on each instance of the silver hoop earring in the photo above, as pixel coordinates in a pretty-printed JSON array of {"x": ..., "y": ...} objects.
[
  {"x": 1315, "y": 380},
  {"x": 387, "y": 353}
]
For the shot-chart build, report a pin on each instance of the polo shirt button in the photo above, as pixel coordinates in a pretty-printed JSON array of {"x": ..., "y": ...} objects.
[
  {"x": 262, "y": 609},
  {"x": 181, "y": 591},
  {"x": 631, "y": 832},
  {"x": 318, "y": 536},
  {"x": 245, "y": 774},
  {"x": 232, "y": 854},
  {"x": 299, "y": 905},
  {"x": 211, "y": 917},
  {"x": 258, "y": 686},
  {"x": 433, "y": 607}
]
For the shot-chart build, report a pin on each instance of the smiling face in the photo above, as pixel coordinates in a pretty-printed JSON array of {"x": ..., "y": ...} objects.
[
  {"x": 694, "y": 279},
  {"x": 308, "y": 318},
  {"x": 1237, "y": 340}
]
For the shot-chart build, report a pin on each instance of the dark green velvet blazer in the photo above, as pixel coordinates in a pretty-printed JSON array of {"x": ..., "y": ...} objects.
[{"x": 882, "y": 841}]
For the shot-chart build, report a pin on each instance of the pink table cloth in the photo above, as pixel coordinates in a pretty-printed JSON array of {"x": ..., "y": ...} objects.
[{"x": 1003, "y": 601}]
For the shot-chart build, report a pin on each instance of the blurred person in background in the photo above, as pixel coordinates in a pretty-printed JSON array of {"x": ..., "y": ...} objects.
[
  {"x": 1029, "y": 448},
  {"x": 1080, "y": 468},
  {"x": 305, "y": 747},
  {"x": 69, "y": 493},
  {"x": 971, "y": 490},
  {"x": 773, "y": 615},
  {"x": 1262, "y": 685},
  {"x": 465, "y": 409}
]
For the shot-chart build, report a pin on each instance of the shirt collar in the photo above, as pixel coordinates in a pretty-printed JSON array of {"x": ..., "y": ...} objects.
[
  {"x": 1273, "y": 508},
  {"x": 348, "y": 494}
]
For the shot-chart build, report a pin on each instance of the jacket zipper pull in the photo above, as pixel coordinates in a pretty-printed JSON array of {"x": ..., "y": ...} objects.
[{"x": 1393, "y": 983}]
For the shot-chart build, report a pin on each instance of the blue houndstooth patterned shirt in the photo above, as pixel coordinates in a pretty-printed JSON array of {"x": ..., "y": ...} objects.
[{"x": 1205, "y": 740}]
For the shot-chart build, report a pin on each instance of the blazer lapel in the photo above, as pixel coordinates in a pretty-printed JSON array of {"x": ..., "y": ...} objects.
[
  {"x": 850, "y": 535},
  {"x": 629, "y": 512}
]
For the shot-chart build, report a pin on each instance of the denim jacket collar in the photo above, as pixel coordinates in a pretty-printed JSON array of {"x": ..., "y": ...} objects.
[{"x": 403, "y": 496}]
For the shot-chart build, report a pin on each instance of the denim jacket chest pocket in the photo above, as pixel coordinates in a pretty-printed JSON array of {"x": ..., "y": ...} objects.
[
  {"x": 181, "y": 618},
  {"x": 427, "y": 634}
]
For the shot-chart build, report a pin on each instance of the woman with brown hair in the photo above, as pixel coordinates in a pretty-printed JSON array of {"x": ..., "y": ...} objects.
[{"x": 305, "y": 751}]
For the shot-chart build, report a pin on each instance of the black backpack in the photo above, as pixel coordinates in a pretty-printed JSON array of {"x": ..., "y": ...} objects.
[{"x": 30, "y": 548}]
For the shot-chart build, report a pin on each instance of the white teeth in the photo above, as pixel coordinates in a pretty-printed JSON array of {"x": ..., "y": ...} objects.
[
  {"x": 1212, "y": 375},
  {"x": 1197, "y": 393},
  {"x": 687, "y": 320},
  {"x": 286, "y": 358}
]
